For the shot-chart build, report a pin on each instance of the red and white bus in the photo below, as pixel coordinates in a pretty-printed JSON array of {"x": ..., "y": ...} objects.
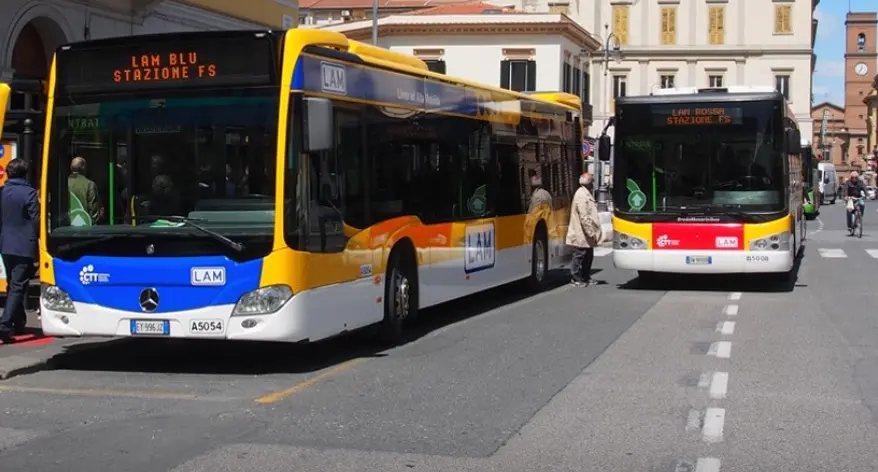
[{"x": 706, "y": 181}]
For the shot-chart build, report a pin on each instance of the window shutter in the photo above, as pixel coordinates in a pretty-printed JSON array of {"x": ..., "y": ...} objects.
[
  {"x": 504, "y": 75},
  {"x": 531, "y": 79},
  {"x": 720, "y": 25},
  {"x": 672, "y": 26}
]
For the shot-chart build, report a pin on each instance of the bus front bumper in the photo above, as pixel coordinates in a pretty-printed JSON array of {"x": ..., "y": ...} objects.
[{"x": 704, "y": 262}]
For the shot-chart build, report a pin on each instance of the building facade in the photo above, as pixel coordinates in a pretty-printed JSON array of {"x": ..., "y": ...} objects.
[
  {"x": 701, "y": 43},
  {"x": 830, "y": 142},
  {"x": 507, "y": 49},
  {"x": 31, "y": 30},
  {"x": 871, "y": 102}
]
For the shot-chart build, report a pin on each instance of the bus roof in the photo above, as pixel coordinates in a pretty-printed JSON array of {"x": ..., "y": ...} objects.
[
  {"x": 702, "y": 96},
  {"x": 364, "y": 53}
]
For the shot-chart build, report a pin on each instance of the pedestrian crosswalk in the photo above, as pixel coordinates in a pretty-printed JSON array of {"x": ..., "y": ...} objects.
[{"x": 836, "y": 253}]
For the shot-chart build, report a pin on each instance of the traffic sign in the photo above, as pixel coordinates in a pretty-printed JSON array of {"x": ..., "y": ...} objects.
[{"x": 586, "y": 148}]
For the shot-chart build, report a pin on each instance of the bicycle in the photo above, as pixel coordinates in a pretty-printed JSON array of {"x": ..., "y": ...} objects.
[{"x": 857, "y": 226}]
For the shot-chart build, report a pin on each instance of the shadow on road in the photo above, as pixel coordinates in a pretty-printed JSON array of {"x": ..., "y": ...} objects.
[
  {"x": 249, "y": 358},
  {"x": 753, "y": 283}
]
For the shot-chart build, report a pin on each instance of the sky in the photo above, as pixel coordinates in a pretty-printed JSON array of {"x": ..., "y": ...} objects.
[{"x": 829, "y": 47}]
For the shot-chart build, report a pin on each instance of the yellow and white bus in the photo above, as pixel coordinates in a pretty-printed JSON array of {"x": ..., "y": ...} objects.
[{"x": 288, "y": 186}]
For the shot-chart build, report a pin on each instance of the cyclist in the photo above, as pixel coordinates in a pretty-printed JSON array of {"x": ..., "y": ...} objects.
[{"x": 854, "y": 188}]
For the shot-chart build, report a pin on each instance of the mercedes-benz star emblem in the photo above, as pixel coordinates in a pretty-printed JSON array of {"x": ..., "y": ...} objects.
[
  {"x": 150, "y": 249},
  {"x": 149, "y": 299}
]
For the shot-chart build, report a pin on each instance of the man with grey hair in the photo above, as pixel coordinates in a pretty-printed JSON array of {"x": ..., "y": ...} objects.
[
  {"x": 584, "y": 232},
  {"x": 540, "y": 195},
  {"x": 85, "y": 205}
]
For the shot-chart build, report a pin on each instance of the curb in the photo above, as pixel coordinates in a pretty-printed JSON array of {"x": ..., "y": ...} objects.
[{"x": 45, "y": 358}]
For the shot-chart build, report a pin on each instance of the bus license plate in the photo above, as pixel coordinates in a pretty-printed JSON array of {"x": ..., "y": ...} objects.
[
  {"x": 699, "y": 260},
  {"x": 151, "y": 327}
]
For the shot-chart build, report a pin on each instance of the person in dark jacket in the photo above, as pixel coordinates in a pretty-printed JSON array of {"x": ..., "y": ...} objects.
[{"x": 19, "y": 227}]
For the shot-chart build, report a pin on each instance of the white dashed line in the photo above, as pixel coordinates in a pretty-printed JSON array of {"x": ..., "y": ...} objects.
[
  {"x": 714, "y": 419},
  {"x": 707, "y": 464},
  {"x": 726, "y": 328},
  {"x": 735, "y": 296},
  {"x": 719, "y": 385},
  {"x": 721, "y": 349},
  {"x": 730, "y": 310},
  {"x": 832, "y": 253},
  {"x": 873, "y": 253}
]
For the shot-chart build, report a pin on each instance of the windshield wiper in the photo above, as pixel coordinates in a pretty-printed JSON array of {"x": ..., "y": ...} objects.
[
  {"x": 69, "y": 247},
  {"x": 186, "y": 221}
]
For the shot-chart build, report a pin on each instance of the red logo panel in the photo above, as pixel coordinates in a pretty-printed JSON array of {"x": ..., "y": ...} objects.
[{"x": 704, "y": 236}]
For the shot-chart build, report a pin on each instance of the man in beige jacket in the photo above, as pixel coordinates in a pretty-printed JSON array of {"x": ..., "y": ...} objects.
[{"x": 584, "y": 232}]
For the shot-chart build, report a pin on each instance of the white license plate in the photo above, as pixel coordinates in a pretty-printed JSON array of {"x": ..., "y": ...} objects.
[
  {"x": 699, "y": 260},
  {"x": 207, "y": 327},
  {"x": 151, "y": 327}
]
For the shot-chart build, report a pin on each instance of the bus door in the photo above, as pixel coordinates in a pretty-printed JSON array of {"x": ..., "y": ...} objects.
[{"x": 4, "y": 102}]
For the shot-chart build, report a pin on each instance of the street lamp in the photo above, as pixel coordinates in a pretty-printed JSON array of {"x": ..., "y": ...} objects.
[
  {"x": 374, "y": 22},
  {"x": 617, "y": 55}
]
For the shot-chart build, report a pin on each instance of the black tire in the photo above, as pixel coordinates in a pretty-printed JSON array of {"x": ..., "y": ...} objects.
[
  {"x": 832, "y": 202},
  {"x": 400, "y": 296},
  {"x": 539, "y": 262}
]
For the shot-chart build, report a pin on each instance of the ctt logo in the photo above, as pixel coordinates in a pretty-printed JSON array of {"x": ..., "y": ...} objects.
[
  {"x": 665, "y": 241},
  {"x": 88, "y": 276}
]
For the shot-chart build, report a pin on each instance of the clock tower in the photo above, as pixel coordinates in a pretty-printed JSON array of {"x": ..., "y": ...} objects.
[{"x": 861, "y": 62}]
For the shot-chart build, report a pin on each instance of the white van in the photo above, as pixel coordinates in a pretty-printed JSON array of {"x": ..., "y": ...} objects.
[{"x": 828, "y": 182}]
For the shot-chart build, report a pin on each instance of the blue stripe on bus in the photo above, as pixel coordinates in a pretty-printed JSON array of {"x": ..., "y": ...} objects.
[
  {"x": 376, "y": 85},
  {"x": 117, "y": 282}
]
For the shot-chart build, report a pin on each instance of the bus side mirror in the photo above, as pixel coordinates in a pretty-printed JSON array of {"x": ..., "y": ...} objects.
[
  {"x": 793, "y": 141},
  {"x": 604, "y": 144},
  {"x": 318, "y": 128}
]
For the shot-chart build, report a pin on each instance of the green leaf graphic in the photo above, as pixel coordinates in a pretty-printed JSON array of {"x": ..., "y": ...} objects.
[
  {"x": 478, "y": 202},
  {"x": 78, "y": 215},
  {"x": 632, "y": 185}
]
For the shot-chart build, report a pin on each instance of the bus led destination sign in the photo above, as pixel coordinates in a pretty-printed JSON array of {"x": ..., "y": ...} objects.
[
  {"x": 122, "y": 65},
  {"x": 162, "y": 67},
  {"x": 698, "y": 116}
]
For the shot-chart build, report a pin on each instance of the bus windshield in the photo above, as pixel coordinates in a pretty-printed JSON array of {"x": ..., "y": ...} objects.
[
  {"x": 131, "y": 163},
  {"x": 699, "y": 157}
]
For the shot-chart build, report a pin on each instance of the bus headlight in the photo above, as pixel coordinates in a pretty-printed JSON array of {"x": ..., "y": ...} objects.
[
  {"x": 625, "y": 241},
  {"x": 775, "y": 242},
  {"x": 56, "y": 299},
  {"x": 263, "y": 301}
]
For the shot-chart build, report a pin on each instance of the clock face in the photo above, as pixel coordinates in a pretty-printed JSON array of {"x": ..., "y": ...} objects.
[{"x": 861, "y": 68}]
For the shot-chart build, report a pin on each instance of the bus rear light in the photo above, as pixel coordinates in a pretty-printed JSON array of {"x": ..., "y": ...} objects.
[
  {"x": 626, "y": 241},
  {"x": 774, "y": 242},
  {"x": 56, "y": 299}
]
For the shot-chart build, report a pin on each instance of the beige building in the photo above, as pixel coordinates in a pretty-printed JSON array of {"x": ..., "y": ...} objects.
[{"x": 871, "y": 102}]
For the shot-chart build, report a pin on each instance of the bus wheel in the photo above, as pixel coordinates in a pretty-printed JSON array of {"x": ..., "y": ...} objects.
[
  {"x": 400, "y": 297},
  {"x": 539, "y": 266}
]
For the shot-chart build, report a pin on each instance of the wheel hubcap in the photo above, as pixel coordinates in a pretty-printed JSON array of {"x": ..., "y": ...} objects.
[
  {"x": 402, "y": 296},
  {"x": 539, "y": 260}
]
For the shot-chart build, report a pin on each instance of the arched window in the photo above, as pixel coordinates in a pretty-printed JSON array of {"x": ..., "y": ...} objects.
[{"x": 861, "y": 42}]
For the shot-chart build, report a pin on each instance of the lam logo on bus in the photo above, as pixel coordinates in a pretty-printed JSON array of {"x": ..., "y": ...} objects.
[
  {"x": 334, "y": 78},
  {"x": 479, "y": 248},
  {"x": 208, "y": 276}
]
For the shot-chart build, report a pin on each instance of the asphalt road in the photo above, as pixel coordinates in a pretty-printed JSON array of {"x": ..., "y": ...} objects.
[{"x": 704, "y": 374}]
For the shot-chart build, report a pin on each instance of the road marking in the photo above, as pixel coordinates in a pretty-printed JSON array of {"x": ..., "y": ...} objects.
[
  {"x": 707, "y": 464},
  {"x": 726, "y": 328},
  {"x": 731, "y": 310},
  {"x": 735, "y": 296},
  {"x": 721, "y": 349},
  {"x": 100, "y": 393},
  {"x": 719, "y": 385},
  {"x": 602, "y": 251},
  {"x": 819, "y": 228},
  {"x": 873, "y": 253},
  {"x": 832, "y": 253},
  {"x": 714, "y": 419},
  {"x": 305, "y": 384}
]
